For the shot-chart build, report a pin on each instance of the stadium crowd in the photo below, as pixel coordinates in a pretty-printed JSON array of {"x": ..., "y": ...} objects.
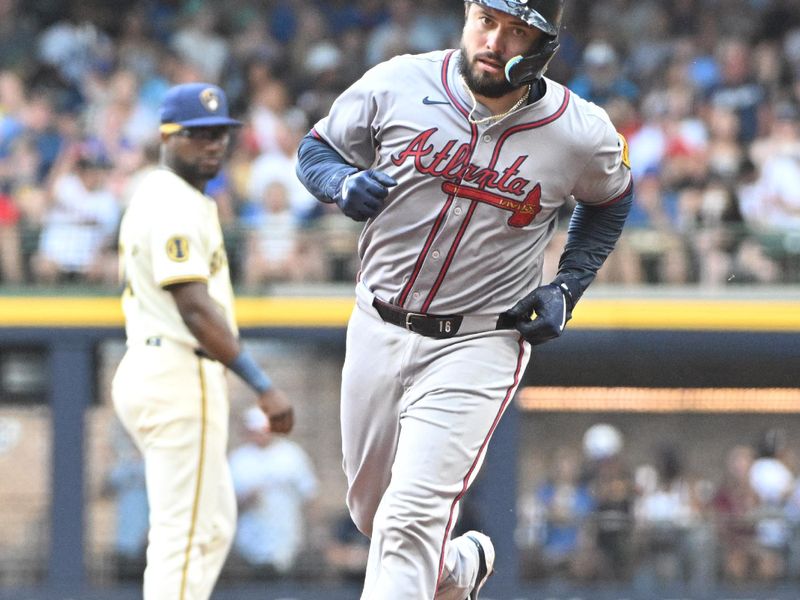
[
  {"x": 597, "y": 513},
  {"x": 706, "y": 91},
  {"x": 599, "y": 516}
]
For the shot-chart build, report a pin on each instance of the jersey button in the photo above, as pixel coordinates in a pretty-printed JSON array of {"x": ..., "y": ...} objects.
[
  {"x": 435, "y": 254},
  {"x": 457, "y": 210},
  {"x": 487, "y": 138},
  {"x": 416, "y": 295}
]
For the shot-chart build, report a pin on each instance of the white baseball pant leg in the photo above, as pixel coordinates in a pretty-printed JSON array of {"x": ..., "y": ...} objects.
[
  {"x": 416, "y": 415},
  {"x": 175, "y": 406}
]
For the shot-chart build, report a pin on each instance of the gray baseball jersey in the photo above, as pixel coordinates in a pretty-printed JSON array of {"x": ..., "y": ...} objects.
[
  {"x": 463, "y": 233},
  {"x": 475, "y": 205}
]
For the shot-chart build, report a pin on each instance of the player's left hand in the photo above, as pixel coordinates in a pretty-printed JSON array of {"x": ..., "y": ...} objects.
[
  {"x": 278, "y": 409},
  {"x": 552, "y": 309}
]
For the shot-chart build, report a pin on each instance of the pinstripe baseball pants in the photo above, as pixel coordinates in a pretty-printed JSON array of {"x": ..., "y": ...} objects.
[{"x": 175, "y": 406}]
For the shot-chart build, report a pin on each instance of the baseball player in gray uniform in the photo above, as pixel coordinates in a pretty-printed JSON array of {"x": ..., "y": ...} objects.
[
  {"x": 170, "y": 389},
  {"x": 458, "y": 161}
]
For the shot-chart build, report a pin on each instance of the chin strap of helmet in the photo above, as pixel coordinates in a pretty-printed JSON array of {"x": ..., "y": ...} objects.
[{"x": 527, "y": 69}]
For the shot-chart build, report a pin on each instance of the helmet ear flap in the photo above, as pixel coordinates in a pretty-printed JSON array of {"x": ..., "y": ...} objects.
[
  {"x": 521, "y": 70},
  {"x": 511, "y": 64}
]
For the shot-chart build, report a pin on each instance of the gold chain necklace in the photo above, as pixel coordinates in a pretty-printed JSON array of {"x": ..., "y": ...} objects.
[{"x": 492, "y": 118}]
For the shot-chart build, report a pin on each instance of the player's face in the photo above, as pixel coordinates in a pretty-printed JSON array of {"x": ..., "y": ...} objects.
[
  {"x": 197, "y": 153},
  {"x": 490, "y": 39}
]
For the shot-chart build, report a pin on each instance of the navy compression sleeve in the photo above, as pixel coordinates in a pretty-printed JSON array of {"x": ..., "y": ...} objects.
[
  {"x": 593, "y": 232},
  {"x": 320, "y": 168}
]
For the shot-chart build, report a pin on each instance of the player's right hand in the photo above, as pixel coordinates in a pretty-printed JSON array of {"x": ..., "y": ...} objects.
[
  {"x": 278, "y": 409},
  {"x": 363, "y": 193}
]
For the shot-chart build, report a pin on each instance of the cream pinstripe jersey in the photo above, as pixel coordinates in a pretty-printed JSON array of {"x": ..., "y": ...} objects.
[
  {"x": 464, "y": 230},
  {"x": 170, "y": 233}
]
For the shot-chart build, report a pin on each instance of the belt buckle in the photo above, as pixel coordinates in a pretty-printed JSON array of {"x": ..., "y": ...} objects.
[{"x": 409, "y": 316}]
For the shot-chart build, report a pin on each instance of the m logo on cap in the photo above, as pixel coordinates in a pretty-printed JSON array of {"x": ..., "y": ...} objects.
[{"x": 210, "y": 99}]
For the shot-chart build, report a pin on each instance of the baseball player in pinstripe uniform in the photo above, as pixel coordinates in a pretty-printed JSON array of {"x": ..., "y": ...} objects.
[
  {"x": 458, "y": 161},
  {"x": 170, "y": 390}
]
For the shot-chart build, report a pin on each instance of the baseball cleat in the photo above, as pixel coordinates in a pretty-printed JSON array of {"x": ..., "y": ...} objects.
[{"x": 485, "y": 561}]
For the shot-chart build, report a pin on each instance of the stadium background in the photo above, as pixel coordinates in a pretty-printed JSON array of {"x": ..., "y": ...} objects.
[{"x": 690, "y": 338}]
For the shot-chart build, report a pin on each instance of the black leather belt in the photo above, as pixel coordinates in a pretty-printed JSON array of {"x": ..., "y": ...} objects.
[{"x": 434, "y": 326}]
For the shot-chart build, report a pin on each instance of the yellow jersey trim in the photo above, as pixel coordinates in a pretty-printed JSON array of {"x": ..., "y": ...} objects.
[{"x": 187, "y": 279}]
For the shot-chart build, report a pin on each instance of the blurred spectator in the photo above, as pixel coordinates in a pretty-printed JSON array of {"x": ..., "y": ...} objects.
[
  {"x": 312, "y": 29},
  {"x": 676, "y": 546},
  {"x": 323, "y": 77},
  {"x": 601, "y": 80},
  {"x": 712, "y": 226},
  {"x": 278, "y": 166},
  {"x": 609, "y": 481},
  {"x": 650, "y": 45},
  {"x": 78, "y": 237},
  {"x": 739, "y": 89},
  {"x": 76, "y": 46},
  {"x": 672, "y": 139},
  {"x": 347, "y": 550},
  {"x": 278, "y": 248},
  {"x": 793, "y": 518},
  {"x": 412, "y": 27},
  {"x": 30, "y": 142},
  {"x": 562, "y": 506},
  {"x": 17, "y": 36},
  {"x": 12, "y": 102},
  {"x": 198, "y": 43},
  {"x": 125, "y": 483},
  {"x": 734, "y": 505},
  {"x": 136, "y": 49},
  {"x": 11, "y": 269},
  {"x": 117, "y": 116},
  {"x": 660, "y": 254},
  {"x": 773, "y": 205},
  {"x": 255, "y": 55},
  {"x": 268, "y": 107},
  {"x": 273, "y": 479},
  {"x": 772, "y": 481}
]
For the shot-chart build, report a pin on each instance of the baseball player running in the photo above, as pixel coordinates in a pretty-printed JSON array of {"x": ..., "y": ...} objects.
[
  {"x": 458, "y": 161},
  {"x": 169, "y": 390}
]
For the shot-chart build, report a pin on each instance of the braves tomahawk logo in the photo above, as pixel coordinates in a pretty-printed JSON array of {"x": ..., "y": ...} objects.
[{"x": 503, "y": 190}]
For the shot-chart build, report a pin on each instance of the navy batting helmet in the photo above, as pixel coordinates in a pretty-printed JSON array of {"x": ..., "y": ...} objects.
[{"x": 544, "y": 15}]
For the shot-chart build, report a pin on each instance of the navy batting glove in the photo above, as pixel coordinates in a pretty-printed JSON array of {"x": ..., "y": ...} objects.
[
  {"x": 363, "y": 193},
  {"x": 553, "y": 307}
]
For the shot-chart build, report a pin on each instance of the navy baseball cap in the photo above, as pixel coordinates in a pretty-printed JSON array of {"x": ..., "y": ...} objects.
[{"x": 195, "y": 105}]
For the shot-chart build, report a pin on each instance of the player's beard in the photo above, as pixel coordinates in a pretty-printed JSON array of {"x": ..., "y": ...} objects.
[
  {"x": 481, "y": 83},
  {"x": 194, "y": 171}
]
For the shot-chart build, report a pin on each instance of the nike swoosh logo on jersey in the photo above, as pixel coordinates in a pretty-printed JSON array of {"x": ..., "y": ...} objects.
[{"x": 427, "y": 100}]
